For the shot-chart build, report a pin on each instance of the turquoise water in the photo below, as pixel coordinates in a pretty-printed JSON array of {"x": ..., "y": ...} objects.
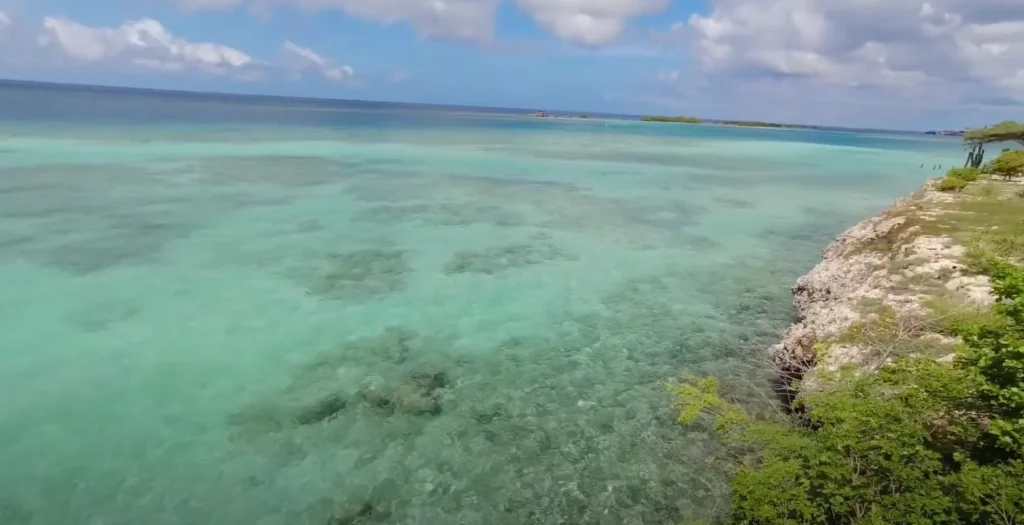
[{"x": 225, "y": 311}]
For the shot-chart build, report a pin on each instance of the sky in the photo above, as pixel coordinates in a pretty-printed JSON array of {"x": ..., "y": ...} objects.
[{"x": 903, "y": 64}]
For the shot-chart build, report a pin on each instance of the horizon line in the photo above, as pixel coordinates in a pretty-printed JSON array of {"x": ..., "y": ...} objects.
[{"x": 321, "y": 100}]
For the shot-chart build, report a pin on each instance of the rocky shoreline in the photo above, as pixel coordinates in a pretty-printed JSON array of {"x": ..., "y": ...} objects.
[{"x": 887, "y": 268}]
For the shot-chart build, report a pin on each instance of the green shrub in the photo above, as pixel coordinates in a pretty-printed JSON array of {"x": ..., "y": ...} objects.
[
  {"x": 920, "y": 442},
  {"x": 952, "y": 184},
  {"x": 966, "y": 174},
  {"x": 994, "y": 352},
  {"x": 1009, "y": 164},
  {"x": 873, "y": 450}
]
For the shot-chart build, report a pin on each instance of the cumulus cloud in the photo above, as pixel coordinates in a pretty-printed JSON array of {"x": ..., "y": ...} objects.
[
  {"x": 589, "y": 22},
  {"x": 586, "y": 22},
  {"x": 147, "y": 45},
  {"x": 143, "y": 43},
  {"x": 942, "y": 44},
  {"x": 5, "y": 26},
  {"x": 302, "y": 59}
]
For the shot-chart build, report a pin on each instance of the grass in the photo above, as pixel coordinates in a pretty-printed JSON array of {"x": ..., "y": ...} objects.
[
  {"x": 885, "y": 335},
  {"x": 891, "y": 241},
  {"x": 951, "y": 314},
  {"x": 988, "y": 220}
]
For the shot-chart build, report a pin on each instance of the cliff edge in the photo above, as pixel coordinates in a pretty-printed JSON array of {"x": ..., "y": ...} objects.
[{"x": 882, "y": 287}]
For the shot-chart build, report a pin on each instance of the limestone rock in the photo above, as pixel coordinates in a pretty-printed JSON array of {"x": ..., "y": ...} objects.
[{"x": 857, "y": 268}]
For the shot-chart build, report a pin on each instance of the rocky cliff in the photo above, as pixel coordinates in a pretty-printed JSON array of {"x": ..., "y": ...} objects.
[{"x": 876, "y": 289}]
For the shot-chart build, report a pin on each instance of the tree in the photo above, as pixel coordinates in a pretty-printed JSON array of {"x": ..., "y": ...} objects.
[
  {"x": 1006, "y": 131},
  {"x": 1008, "y": 165}
]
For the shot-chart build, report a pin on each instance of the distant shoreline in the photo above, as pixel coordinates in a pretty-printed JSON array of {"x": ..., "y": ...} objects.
[
  {"x": 250, "y": 97},
  {"x": 737, "y": 123}
]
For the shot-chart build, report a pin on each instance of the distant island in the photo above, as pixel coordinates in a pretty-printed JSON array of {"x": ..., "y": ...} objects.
[
  {"x": 683, "y": 120},
  {"x": 744, "y": 123},
  {"x": 946, "y": 133},
  {"x": 758, "y": 124},
  {"x": 697, "y": 120},
  {"x": 545, "y": 114}
]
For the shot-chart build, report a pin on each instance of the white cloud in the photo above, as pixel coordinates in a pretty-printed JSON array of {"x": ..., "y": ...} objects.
[
  {"x": 303, "y": 59},
  {"x": 668, "y": 77},
  {"x": 146, "y": 44},
  {"x": 5, "y": 26},
  {"x": 897, "y": 44},
  {"x": 586, "y": 22},
  {"x": 589, "y": 22},
  {"x": 143, "y": 43}
]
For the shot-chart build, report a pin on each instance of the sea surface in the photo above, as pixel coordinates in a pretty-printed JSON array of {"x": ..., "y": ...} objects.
[{"x": 249, "y": 311}]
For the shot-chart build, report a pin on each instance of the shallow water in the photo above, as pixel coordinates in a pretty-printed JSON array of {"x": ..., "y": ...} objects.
[{"x": 235, "y": 312}]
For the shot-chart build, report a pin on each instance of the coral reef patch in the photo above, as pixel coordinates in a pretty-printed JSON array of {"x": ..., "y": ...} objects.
[{"x": 504, "y": 258}]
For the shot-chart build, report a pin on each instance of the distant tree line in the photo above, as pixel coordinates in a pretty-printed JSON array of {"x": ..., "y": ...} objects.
[{"x": 683, "y": 120}]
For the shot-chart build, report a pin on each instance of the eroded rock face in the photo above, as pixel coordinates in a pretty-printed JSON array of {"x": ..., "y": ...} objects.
[{"x": 883, "y": 260}]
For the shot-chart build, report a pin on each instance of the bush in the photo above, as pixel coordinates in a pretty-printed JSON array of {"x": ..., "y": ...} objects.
[
  {"x": 966, "y": 174},
  {"x": 1009, "y": 164},
  {"x": 952, "y": 184},
  {"x": 874, "y": 450},
  {"x": 994, "y": 352}
]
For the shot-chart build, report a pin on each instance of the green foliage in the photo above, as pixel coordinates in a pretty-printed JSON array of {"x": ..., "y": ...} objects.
[
  {"x": 1006, "y": 131},
  {"x": 953, "y": 316},
  {"x": 952, "y": 184},
  {"x": 682, "y": 120},
  {"x": 995, "y": 353},
  {"x": 987, "y": 250},
  {"x": 698, "y": 396},
  {"x": 965, "y": 174},
  {"x": 920, "y": 442},
  {"x": 1009, "y": 164}
]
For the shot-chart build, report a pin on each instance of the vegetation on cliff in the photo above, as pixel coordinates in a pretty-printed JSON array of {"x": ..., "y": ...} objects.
[
  {"x": 957, "y": 178},
  {"x": 918, "y": 442},
  {"x": 1008, "y": 165},
  {"x": 909, "y": 438}
]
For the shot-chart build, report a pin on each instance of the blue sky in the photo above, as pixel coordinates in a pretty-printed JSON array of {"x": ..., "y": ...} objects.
[{"x": 900, "y": 63}]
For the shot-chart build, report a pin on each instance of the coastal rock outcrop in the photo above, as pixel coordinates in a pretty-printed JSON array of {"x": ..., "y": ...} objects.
[{"x": 891, "y": 264}]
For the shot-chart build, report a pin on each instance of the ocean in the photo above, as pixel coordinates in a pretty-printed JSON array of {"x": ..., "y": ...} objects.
[{"x": 238, "y": 311}]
